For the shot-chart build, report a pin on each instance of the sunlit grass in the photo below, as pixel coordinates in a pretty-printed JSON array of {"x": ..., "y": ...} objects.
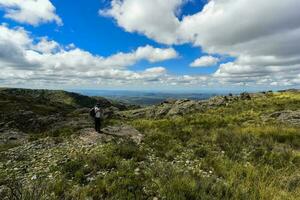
[{"x": 227, "y": 152}]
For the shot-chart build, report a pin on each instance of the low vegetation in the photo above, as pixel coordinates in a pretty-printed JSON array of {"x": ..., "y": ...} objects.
[{"x": 233, "y": 151}]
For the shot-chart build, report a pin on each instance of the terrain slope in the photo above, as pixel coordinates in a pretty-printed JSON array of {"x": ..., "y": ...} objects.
[{"x": 243, "y": 146}]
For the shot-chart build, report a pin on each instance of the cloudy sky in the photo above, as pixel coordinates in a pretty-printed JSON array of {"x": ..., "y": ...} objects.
[{"x": 150, "y": 45}]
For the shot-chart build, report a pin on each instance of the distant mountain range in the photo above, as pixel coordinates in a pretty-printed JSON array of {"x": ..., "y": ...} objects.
[{"x": 145, "y": 98}]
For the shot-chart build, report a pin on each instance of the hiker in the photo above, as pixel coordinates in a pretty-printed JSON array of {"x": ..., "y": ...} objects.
[{"x": 97, "y": 113}]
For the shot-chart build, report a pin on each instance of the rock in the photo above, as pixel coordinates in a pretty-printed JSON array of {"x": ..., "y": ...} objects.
[
  {"x": 110, "y": 112},
  {"x": 218, "y": 101},
  {"x": 245, "y": 96},
  {"x": 12, "y": 136},
  {"x": 168, "y": 101},
  {"x": 124, "y": 131},
  {"x": 34, "y": 177},
  {"x": 162, "y": 111},
  {"x": 288, "y": 116},
  {"x": 90, "y": 136},
  {"x": 137, "y": 171},
  {"x": 182, "y": 107},
  {"x": 166, "y": 109}
]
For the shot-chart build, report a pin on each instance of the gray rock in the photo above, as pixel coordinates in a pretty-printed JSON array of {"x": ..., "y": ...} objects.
[
  {"x": 245, "y": 96},
  {"x": 287, "y": 116},
  {"x": 12, "y": 137},
  {"x": 124, "y": 131},
  {"x": 89, "y": 136}
]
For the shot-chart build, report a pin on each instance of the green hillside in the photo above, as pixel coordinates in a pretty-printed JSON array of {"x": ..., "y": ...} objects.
[{"x": 233, "y": 147}]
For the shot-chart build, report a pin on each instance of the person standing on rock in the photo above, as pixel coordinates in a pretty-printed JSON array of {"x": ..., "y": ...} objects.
[{"x": 97, "y": 114}]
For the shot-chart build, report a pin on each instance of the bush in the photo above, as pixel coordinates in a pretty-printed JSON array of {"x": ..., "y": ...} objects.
[{"x": 127, "y": 149}]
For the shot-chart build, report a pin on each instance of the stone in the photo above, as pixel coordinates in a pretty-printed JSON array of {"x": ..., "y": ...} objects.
[
  {"x": 245, "y": 96},
  {"x": 288, "y": 116},
  {"x": 124, "y": 131},
  {"x": 34, "y": 177}
]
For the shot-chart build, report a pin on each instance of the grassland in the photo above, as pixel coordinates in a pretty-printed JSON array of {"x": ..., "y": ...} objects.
[{"x": 235, "y": 151}]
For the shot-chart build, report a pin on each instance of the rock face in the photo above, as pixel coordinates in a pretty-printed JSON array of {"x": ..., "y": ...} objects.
[
  {"x": 165, "y": 109},
  {"x": 170, "y": 108},
  {"x": 287, "y": 116},
  {"x": 124, "y": 131},
  {"x": 108, "y": 133}
]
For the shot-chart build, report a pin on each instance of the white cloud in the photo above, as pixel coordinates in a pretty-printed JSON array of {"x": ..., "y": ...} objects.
[
  {"x": 156, "y": 70},
  {"x": 50, "y": 54},
  {"x": 205, "y": 61},
  {"x": 27, "y": 60},
  {"x": 155, "y": 54},
  {"x": 32, "y": 12},
  {"x": 155, "y": 19},
  {"x": 262, "y": 35},
  {"x": 46, "y": 46},
  {"x": 263, "y": 39}
]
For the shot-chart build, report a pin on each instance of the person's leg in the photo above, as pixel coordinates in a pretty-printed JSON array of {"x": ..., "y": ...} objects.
[
  {"x": 96, "y": 125},
  {"x": 100, "y": 123}
]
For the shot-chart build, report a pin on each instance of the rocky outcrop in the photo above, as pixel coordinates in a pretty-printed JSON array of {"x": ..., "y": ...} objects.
[
  {"x": 12, "y": 137},
  {"x": 108, "y": 133},
  {"x": 37, "y": 111},
  {"x": 170, "y": 108},
  {"x": 287, "y": 116},
  {"x": 165, "y": 109},
  {"x": 245, "y": 96},
  {"x": 124, "y": 131}
]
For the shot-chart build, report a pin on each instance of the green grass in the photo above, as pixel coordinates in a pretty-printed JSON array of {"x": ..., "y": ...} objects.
[
  {"x": 227, "y": 152},
  {"x": 7, "y": 146}
]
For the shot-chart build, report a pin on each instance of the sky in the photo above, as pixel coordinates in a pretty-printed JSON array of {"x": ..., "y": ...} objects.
[{"x": 150, "y": 45}]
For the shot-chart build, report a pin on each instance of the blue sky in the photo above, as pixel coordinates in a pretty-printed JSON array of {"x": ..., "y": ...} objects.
[
  {"x": 191, "y": 44},
  {"x": 100, "y": 35}
]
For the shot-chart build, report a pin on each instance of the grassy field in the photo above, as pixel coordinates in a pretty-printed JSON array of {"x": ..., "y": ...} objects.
[{"x": 228, "y": 152}]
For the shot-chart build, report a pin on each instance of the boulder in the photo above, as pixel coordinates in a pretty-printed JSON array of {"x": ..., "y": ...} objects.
[
  {"x": 218, "y": 101},
  {"x": 125, "y": 131},
  {"x": 288, "y": 116},
  {"x": 245, "y": 96}
]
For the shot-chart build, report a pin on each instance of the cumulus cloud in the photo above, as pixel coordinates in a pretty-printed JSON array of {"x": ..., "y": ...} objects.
[
  {"x": 262, "y": 35},
  {"x": 262, "y": 40},
  {"x": 46, "y": 46},
  {"x": 156, "y": 70},
  {"x": 32, "y": 12},
  {"x": 40, "y": 61},
  {"x": 205, "y": 61},
  {"x": 155, "y": 19}
]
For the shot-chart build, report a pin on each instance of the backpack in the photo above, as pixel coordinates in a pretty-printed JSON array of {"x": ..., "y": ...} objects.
[
  {"x": 98, "y": 110},
  {"x": 92, "y": 112}
]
